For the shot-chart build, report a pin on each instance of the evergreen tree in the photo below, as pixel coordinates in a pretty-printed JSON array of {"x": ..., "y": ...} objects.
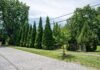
[
  {"x": 98, "y": 22},
  {"x": 56, "y": 32},
  {"x": 48, "y": 40},
  {"x": 38, "y": 41},
  {"x": 33, "y": 34},
  {"x": 24, "y": 35},
  {"x": 29, "y": 41}
]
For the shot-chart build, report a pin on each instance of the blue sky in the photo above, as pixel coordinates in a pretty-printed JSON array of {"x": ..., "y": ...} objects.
[{"x": 55, "y": 8}]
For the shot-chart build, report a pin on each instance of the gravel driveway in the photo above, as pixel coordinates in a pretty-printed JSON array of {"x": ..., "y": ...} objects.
[{"x": 12, "y": 59}]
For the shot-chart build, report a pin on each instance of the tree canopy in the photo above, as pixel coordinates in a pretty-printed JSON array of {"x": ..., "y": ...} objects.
[
  {"x": 84, "y": 27},
  {"x": 82, "y": 30}
]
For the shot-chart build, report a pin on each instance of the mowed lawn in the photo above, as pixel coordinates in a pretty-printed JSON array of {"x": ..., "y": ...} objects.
[{"x": 90, "y": 59}]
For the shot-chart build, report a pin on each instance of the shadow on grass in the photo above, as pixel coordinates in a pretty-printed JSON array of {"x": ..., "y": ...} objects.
[{"x": 68, "y": 57}]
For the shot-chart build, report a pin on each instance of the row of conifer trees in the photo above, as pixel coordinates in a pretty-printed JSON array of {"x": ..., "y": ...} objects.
[{"x": 37, "y": 37}]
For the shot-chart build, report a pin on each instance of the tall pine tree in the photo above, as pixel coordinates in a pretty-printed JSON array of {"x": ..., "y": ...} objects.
[
  {"x": 38, "y": 41},
  {"x": 29, "y": 37},
  {"x": 56, "y": 32},
  {"x": 33, "y": 34},
  {"x": 48, "y": 40}
]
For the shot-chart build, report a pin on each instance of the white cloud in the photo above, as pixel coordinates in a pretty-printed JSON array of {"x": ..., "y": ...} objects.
[{"x": 54, "y": 8}]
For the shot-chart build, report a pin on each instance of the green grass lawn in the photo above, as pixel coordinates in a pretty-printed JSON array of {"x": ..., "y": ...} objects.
[
  {"x": 98, "y": 49},
  {"x": 76, "y": 57}
]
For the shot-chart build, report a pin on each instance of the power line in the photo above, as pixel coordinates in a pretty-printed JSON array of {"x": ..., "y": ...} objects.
[
  {"x": 61, "y": 21},
  {"x": 70, "y": 14},
  {"x": 62, "y": 15},
  {"x": 95, "y": 5}
]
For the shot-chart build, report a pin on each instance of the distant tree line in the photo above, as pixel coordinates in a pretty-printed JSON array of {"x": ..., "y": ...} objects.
[{"x": 82, "y": 30}]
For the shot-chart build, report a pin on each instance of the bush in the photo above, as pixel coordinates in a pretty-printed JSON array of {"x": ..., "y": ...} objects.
[{"x": 91, "y": 48}]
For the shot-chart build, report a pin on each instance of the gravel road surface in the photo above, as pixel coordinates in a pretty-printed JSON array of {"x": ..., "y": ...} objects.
[{"x": 12, "y": 59}]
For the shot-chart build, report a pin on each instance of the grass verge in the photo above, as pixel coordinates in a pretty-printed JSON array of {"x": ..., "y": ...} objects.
[{"x": 79, "y": 57}]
